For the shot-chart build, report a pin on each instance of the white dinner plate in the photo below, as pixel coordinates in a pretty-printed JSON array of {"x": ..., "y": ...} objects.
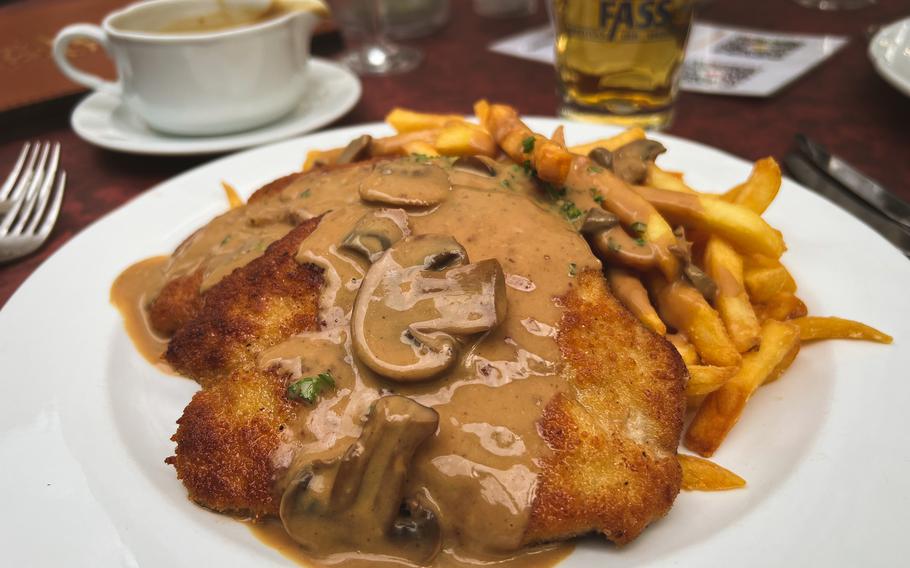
[
  {"x": 85, "y": 422},
  {"x": 889, "y": 51},
  {"x": 103, "y": 120}
]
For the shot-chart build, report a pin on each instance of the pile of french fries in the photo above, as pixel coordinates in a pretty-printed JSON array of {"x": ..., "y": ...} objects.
[{"x": 744, "y": 337}]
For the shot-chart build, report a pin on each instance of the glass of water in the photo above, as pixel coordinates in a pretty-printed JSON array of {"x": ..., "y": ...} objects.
[{"x": 369, "y": 51}]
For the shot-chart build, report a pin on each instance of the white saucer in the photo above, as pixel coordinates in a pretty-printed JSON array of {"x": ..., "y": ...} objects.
[
  {"x": 102, "y": 119},
  {"x": 890, "y": 53}
]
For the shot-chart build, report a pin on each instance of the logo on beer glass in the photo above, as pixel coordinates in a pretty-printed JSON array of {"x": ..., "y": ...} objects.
[{"x": 627, "y": 16}]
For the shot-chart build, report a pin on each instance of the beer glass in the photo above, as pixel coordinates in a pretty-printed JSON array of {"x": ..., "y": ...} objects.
[{"x": 618, "y": 61}]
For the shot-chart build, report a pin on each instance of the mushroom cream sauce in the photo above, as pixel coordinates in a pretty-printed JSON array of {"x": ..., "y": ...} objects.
[{"x": 478, "y": 472}]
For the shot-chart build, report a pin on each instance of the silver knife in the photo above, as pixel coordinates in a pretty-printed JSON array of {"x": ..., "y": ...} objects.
[
  {"x": 809, "y": 176},
  {"x": 858, "y": 183}
]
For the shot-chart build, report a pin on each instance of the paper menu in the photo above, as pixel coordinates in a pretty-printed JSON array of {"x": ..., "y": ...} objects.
[{"x": 719, "y": 59}]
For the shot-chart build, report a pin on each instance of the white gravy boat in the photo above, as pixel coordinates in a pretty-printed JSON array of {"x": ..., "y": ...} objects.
[{"x": 203, "y": 82}]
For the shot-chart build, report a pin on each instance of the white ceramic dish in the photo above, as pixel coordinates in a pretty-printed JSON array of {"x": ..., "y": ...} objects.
[
  {"x": 199, "y": 82},
  {"x": 85, "y": 422},
  {"x": 102, "y": 119},
  {"x": 890, "y": 54}
]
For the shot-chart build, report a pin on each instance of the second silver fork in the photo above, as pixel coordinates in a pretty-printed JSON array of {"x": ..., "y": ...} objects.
[{"x": 30, "y": 198}]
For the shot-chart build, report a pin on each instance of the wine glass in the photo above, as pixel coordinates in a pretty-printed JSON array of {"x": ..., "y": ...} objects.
[
  {"x": 835, "y": 4},
  {"x": 369, "y": 51}
]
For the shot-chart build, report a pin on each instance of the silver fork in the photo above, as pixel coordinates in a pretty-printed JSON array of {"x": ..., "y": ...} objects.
[{"x": 31, "y": 197}]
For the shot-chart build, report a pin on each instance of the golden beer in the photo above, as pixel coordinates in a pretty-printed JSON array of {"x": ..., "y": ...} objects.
[{"x": 618, "y": 60}]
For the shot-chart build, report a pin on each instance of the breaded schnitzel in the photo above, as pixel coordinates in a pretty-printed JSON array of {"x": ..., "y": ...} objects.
[{"x": 534, "y": 406}]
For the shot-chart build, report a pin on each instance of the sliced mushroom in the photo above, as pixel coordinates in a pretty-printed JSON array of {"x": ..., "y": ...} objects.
[
  {"x": 701, "y": 281},
  {"x": 480, "y": 165},
  {"x": 377, "y": 231},
  {"x": 416, "y": 300},
  {"x": 610, "y": 242},
  {"x": 615, "y": 246},
  {"x": 602, "y": 157},
  {"x": 406, "y": 183},
  {"x": 598, "y": 220},
  {"x": 356, "y": 150},
  {"x": 630, "y": 162},
  {"x": 357, "y": 503},
  {"x": 695, "y": 275}
]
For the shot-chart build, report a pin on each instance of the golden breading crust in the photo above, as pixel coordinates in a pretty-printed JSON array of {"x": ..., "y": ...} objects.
[
  {"x": 177, "y": 303},
  {"x": 225, "y": 442},
  {"x": 275, "y": 187},
  {"x": 180, "y": 300},
  {"x": 613, "y": 467},
  {"x": 230, "y": 430},
  {"x": 254, "y": 307}
]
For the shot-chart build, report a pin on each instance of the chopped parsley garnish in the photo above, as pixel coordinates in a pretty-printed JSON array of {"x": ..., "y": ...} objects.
[
  {"x": 570, "y": 210},
  {"x": 225, "y": 240},
  {"x": 528, "y": 168},
  {"x": 420, "y": 158},
  {"x": 598, "y": 198},
  {"x": 595, "y": 169},
  {"x": 640, "y": 242},
  {"x": 573, "y": 269},
  {"x": 506, "y": 184},
  {"x": 527, "y": 144},
  {"x": 613, "y": 245},
  {"x": 304, "y": 193},
  {"x": 309, "y": 388},
  {"x": 553, "y": 192},
  {"x": 638, "y": 228}
]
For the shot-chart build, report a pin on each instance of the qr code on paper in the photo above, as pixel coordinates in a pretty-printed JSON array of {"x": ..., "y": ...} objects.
[
  {"x": 758, "y": 47},
  {"x": 715, "y": 75}
]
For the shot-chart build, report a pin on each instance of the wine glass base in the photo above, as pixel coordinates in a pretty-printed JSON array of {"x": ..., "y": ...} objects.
[
  {"x": 382, "y": 60},
  {"x": 835, "y": 4}
]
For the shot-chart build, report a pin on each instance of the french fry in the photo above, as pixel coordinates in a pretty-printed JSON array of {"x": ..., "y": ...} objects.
[
  {"x": 395, "y": 145},
  {"x": 686, "y": 350},
  {"x": 722, "y": 409},
  {"x": 619, "y": 199},
  {"x": 683, "y": 307},
  {"x": 662, "y": 179},
  {"x": 783, "y": 365},
  {"x": 760, "y": 189},
  {"x": 629, "y": 290},
  {"x": 234, "y": 199},
  {"x": 459, "y": 138},
  {"x": 759, "y": 261},
  {"x": 693, "y": 402},
  {"x": 404, "y": 120},
  {"x": 705, "y": 379},
  {"x": 317, "y": 158},
  {"x": 420, "y": 147},
  {"x": 763, "y": 284},
  {"x": 699, "y": 474},
  {"x": 815, "y": 328},
  {"x": 482, "y": 111},
  {"x": 550, "y": 159},
  {"x": 741, "y": 227},
  {"x": 782, "y": 306},
  {"x": 612, "y": 143},
  {"x": 559, "y": 135},
  {"x": 725, "y": 267}
]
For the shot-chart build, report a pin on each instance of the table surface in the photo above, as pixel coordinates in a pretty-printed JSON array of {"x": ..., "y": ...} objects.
[{"x": 842, "y": 103}]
